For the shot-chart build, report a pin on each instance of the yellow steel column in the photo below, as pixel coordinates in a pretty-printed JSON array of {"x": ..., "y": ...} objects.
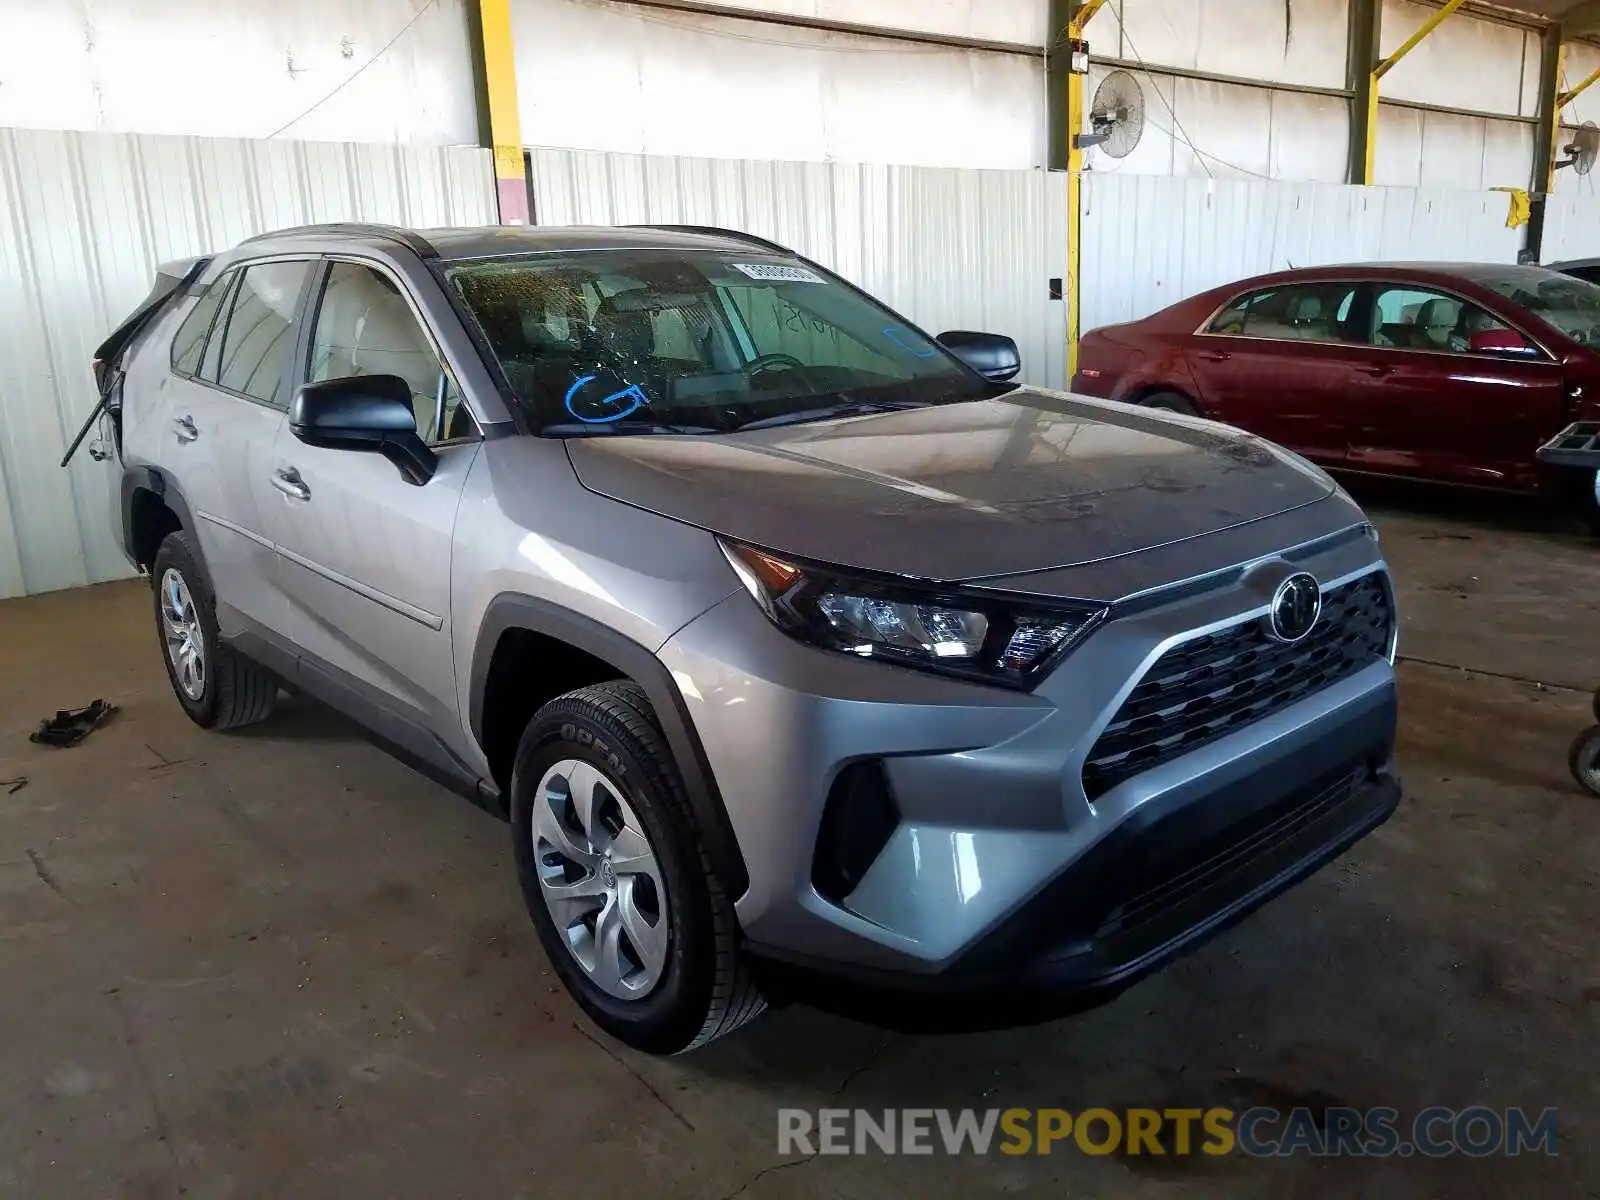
[
  {"x": 1366, "y": 19},
  {"x": 1367, "y": 90},
  {"x": 1076, "y": 109},
  {"x": 1369, "y": 149},
  {"x": 1546, "y": 183},
  {"x": 499, "y": 68}
]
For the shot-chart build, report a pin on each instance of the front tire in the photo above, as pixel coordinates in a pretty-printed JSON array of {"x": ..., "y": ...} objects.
[
  {"x": 615, "y": 878},
  {"x": 217, "y": 688},
  {"x": 1584, "y": 760}
]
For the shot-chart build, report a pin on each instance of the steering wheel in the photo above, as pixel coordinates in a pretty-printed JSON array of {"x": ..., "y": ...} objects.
[{"x": 772, "y": 362}]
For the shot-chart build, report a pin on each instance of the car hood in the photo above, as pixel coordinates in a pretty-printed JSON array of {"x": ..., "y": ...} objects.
[{"x": 1033, "y": 481}]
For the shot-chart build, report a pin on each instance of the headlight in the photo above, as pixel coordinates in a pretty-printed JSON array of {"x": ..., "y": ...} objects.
[{"x": 953, "y": 631}]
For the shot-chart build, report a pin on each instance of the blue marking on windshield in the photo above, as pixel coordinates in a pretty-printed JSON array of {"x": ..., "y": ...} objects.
[
  {"x": 901, "y": 338},
  {"x": 633, "y": 393}
]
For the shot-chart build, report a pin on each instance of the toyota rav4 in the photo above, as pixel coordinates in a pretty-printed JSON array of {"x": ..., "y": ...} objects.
[{"x": 809, "y": 656}]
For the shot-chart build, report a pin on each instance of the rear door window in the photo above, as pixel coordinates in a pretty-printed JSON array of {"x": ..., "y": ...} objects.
[
  {"x": 1299, "y": 312},
  {"x": 190, "y": 342},
  {"x": 257, "y": 339}
]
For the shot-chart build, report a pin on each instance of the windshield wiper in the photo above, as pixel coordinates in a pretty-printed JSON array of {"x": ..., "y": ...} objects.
[
  {"x": 602, "y": 429},
  {"x": 863, "y": 408}
]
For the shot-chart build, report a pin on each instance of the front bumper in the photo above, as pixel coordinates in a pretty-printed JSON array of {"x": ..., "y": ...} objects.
[
  {"x": 1162, "y": 884},
  {"x": 1000, "y": 873}
]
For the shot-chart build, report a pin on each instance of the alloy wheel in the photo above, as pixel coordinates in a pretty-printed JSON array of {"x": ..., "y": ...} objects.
[
  {"x": 180, "y": 628},
  {"x": 600, "y": 880}
]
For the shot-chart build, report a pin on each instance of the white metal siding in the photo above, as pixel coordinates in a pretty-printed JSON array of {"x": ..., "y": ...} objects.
[
  {"x": 657, "y": 81},
  {"x": 1199, "y": 128},
  {"x": 1149, "y": 242},
  {"x": 1467, "y": 62},
  {"x": 349, "y": 70},
  {"x": 1221, "y": 130},
  {"x": 950, "y": 249},
  {"x": 84, "y": 220},
  {"x": 1020, "y": 21},
  {"x": 1571, "y": 227},
  {"x": 1298, "y": 42},
  {"x": 1230, "y": 131}
]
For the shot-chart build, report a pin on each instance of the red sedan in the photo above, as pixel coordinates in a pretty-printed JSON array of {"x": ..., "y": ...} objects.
[{"x": 1455, "y": 373}]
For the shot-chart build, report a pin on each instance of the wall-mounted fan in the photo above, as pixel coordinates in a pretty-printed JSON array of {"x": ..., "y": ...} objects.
[
  {"x": 1581, "y": 150},
  {"x": 1116, "y": 116}
]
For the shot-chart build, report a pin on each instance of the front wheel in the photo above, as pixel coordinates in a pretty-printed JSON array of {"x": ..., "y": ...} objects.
[
  {"x": 1584, "y": 759},
  {"x": 615, "y": 879}
]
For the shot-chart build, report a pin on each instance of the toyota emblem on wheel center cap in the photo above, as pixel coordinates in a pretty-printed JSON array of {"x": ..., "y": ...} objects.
[{"x": 1295, "y": 607}]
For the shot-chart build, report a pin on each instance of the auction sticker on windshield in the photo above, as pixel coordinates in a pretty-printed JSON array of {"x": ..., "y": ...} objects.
[{"x": 778, "y": 273}]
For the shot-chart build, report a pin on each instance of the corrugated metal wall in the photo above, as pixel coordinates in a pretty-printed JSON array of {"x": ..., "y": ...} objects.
[
  {"x": 326, "y": 70},
  {"x": 950, "y": 249},
  {"x": 1201, "y": 128},
  {"x": 1571, "y": 227},
  {"x": 640, "y": 79},
  {"x": 84, "y": 219},
  {"x": 1150, "y": 241}
]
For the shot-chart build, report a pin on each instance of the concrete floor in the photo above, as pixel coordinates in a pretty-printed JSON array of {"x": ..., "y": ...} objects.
[{"x": 278, "y": 963}]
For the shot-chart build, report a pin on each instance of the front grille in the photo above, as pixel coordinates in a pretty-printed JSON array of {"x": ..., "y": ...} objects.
[{"x": 1206, "y": 688}]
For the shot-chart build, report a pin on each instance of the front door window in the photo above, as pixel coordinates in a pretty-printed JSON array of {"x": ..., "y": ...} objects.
[
  {"x": 364, "y": 326},
  {"x": 1412, "y": 318}
]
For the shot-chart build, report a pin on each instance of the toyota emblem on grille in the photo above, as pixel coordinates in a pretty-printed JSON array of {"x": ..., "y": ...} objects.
[{"x": 1295, "y": 607}]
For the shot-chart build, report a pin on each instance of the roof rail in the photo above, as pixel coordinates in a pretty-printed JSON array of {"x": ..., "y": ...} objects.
[
  {"x": 749, "y": 239},
  {"x": 410, "y": 239}
]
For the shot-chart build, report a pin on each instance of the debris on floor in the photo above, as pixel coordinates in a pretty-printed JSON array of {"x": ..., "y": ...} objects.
[
  {"x": 71, "y": 725},
  {"x": 13, "y": 786}
]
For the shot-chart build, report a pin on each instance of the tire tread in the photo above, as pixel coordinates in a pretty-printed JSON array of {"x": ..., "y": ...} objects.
[
  {"x": 735, "y": 998},
  {"x": 242, "y": 693}
]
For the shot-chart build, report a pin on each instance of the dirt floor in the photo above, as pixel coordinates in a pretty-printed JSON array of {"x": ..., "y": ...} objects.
[{"x": 279, "y": 963}]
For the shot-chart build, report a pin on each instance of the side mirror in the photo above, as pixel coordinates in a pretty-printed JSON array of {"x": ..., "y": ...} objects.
[
  {"x": 989, "y": 354},
  {"x": 364, "y": 412}
]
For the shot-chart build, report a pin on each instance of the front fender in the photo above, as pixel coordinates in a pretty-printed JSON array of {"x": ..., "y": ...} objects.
[
  {"x": 1166, "y": 370},
  {"x": 510, "y": 610}
]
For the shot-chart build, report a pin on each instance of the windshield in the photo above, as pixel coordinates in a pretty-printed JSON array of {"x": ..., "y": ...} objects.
[
  {"x": 668, "y": 341},
  {"x": 1571, "y": 305}
]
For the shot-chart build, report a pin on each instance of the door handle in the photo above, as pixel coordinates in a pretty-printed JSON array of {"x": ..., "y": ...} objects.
[
  {"x": 184, "y": 428},
  {"x": 287, "y": 480},
  {"x": 1215, "y": 355},
  {"x": 1377, "y": 370}
]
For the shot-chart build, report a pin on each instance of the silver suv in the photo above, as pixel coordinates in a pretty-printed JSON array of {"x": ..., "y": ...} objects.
[{"x": 809, "y": 658}]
